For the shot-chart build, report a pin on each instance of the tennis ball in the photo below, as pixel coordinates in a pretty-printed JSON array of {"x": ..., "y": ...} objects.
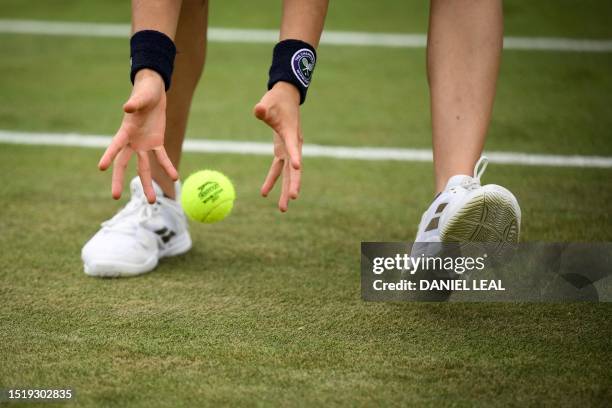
[{"x": 207, "y": 196}]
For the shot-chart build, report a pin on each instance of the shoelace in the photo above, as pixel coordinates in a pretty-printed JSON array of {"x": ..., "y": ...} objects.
[
  {"x": 474, "y": 182},
  {"x": 470, "y": 183},
  {"x": 136, "y": 212}
]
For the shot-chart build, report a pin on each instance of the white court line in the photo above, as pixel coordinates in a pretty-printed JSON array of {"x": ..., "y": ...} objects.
[
  {"x": 271, "y": 36},
  {"x": 337, "y": 152}
]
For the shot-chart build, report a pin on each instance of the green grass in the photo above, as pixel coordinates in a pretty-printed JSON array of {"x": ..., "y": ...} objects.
[
  {"x": 266, "y": 308},
  {"x": 574, "y": 18},
  {"x": 533, "y": 112}
]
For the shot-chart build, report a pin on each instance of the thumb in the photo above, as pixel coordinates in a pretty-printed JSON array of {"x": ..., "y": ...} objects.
[
  {"x": 136, "y": 102},
  {"x": 269, "y": 114},
  {"x": 261, "y": 111}
]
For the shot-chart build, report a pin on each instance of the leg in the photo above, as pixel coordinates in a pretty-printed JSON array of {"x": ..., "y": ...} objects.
[
  {"x": 191, "y": 52},
  {"x": 112, "y": 253},
  {"x": 463, "y": 56}
]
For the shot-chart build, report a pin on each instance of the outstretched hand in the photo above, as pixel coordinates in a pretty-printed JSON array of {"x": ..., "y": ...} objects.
[
  {"x": 142, "y": 130},
  {"x": 279, "y": 108}
]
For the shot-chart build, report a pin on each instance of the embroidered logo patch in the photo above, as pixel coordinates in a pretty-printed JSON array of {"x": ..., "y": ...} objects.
[{"x": 302, "y": 64}]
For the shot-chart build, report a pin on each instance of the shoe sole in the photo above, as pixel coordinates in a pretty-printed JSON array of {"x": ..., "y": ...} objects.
[
  {"x": 492, "y": 215},
  {"x": 114, "y": 269}
]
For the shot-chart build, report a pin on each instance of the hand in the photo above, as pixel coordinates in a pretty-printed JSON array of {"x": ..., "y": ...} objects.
[
  {"x": 280, "y": 109},
  {"x": 141, "y": 131}
]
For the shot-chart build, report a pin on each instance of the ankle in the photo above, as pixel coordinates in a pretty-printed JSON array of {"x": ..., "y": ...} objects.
[{"x": 167, "y": 186}]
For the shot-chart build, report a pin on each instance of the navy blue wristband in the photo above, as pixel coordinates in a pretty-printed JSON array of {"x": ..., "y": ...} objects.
[
  {"x": 153, "y": 50},
  {"x": 293, "y": 61}
]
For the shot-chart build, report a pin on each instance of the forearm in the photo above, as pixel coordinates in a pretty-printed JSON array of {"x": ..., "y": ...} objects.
[
  {"x": 303, "y": 20},
  {"x": 158, "y": 15}
]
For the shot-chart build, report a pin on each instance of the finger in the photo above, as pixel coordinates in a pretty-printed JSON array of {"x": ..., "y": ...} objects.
[
  {"x": 296, "y": 177},
  {"x": 283, "y": 201},
  {"x": 164, "y": 161},
  {"x": 293, "y": 148},
  {"x": 144, "y": 171},
  {"x": 294, "y": 152},
  {"x": 119, "y": 166},
  {"x": 294, "y": 186},
  {"x": 275, "y": 170},
  {"x": 118, "y": 142}
]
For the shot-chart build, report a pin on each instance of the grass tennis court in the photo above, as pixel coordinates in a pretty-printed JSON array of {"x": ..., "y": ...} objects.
[{"x": 266, "y": 309}]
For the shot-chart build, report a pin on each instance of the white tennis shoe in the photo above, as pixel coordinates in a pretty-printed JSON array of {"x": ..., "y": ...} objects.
[
  {"x": 138, "y": 236},
  {"x": 468, "y": 212}
]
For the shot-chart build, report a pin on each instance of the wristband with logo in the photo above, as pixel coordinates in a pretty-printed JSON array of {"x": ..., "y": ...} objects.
[{"x": 293, "y": 61}]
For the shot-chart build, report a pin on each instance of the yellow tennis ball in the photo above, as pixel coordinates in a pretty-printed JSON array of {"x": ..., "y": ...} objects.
[{"x": 207, "y": 196}]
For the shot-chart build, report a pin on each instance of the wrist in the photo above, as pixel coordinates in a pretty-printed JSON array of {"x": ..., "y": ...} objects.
[
  {"x": 148, "y": 75},
  {"x": 154, "y": 50},
  {"x": 289, "y": 90}
]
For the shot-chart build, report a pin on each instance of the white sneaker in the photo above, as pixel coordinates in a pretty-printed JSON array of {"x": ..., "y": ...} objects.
[
  {"x": 468, "y": 212},
  {"x": 133, "y": 241}
]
